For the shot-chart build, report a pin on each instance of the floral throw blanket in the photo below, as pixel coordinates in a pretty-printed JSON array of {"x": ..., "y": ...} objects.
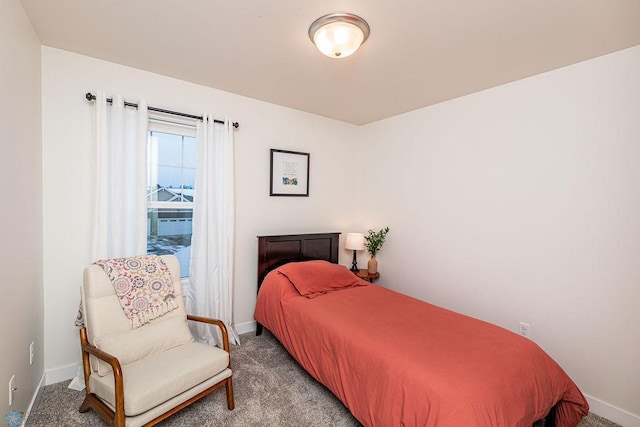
[{"x": 143, "y": 285}]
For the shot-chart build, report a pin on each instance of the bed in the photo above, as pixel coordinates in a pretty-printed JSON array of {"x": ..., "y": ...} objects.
[{"x": 394, "y": 360}]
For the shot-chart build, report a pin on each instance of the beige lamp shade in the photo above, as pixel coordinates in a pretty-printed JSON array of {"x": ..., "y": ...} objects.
[{"x": 354, "y": 241}]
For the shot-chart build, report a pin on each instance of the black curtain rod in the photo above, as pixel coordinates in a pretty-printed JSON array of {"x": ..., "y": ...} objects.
[{"x": 92, "y": 97}]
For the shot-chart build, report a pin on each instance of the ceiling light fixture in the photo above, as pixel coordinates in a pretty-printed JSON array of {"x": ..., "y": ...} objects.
[{"x": 338, "y": 35}]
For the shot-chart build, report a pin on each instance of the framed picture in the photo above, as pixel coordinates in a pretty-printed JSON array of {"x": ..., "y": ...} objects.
[{"x": 289, "y": 173}]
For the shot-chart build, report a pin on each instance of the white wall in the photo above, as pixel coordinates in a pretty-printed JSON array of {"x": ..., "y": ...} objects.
[
  {"x": 66, "y": 122},
  {"x": 522, "y": 203},
  {"x": 21, "y": 304}
]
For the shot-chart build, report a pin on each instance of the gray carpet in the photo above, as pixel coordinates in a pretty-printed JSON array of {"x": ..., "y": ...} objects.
[{"x": 270, "y": 390}]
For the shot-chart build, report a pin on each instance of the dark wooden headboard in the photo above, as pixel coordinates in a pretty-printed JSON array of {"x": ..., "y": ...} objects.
[{"x": 274, "y": 251}]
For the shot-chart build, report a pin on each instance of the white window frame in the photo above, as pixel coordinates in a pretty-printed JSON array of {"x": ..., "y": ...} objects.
[{"x": 187, "y": 128}]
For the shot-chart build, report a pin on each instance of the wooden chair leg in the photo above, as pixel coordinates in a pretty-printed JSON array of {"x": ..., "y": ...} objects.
[
  {"x": 229, "y": 389},
  {"x": 86, "y": 405}
]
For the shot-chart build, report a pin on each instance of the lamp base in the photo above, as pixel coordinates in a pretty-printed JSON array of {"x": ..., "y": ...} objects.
[{"x": 354, "y": 264}]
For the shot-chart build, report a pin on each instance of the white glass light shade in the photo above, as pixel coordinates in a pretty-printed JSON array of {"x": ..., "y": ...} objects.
[
  {"x": 354, "y": 241},
  {"x": 338, "y": 39},
  {"x": 338, "y": 35}
]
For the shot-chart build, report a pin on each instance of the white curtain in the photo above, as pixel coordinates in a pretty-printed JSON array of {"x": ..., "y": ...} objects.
[
  {"x": 119, "y": 204},
  {"x": 119, "y": 181},
  {"x": 212, "y": 243}
]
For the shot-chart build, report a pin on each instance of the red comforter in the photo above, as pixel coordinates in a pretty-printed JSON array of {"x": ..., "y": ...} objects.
[{"x": 397, "y": 361}]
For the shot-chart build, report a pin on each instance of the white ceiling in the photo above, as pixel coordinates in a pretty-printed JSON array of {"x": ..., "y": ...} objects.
[{"x": 420, "y": 52}]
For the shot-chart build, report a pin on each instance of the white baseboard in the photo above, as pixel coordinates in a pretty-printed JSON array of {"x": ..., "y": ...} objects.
[
  {"x": 62, "y": 373},
  {"x": 244, "y": 328},
  {"x": 612, "y": 413},
  {"x": 35, "y": 400}
]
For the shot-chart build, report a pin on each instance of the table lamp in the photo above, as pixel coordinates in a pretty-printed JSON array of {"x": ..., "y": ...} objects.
[{"x": 354, "y": 241}]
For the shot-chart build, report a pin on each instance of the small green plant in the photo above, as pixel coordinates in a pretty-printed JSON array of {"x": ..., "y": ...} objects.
[{"x": 374, "y": 240}]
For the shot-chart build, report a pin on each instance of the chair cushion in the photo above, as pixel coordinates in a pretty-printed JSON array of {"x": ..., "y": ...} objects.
[
  {"x": 155, "y": 379},
  {"x": 136, "y": 344},
  {"x": 100, "y": 301},
  {"x": 108, "y": 328}
]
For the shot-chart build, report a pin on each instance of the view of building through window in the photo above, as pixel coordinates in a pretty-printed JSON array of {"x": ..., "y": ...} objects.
[{"x": 171, "y": 161}]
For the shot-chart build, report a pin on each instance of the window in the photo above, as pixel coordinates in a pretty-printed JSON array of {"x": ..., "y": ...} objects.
[{"x": 171, "y": 170}]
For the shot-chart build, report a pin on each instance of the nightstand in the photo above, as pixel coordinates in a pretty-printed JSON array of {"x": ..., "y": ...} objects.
[{"x": 364, "y": 274}]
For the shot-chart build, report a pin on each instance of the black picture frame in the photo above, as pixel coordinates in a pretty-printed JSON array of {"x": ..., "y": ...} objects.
[{"x": 289, "y": 173}]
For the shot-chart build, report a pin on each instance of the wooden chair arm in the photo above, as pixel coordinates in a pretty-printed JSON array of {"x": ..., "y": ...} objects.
[
  {"x": 218, "y": 323},
  {"x": 115, "y": 365}
]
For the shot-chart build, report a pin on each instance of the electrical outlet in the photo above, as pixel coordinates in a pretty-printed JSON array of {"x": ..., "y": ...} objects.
[
  {"x": 31, "y": 352},
  {"x": 524, "y": 329},
  {"x": 12, "y": 388}
]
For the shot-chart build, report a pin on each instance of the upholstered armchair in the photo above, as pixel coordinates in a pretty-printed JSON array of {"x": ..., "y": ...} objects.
[{"x": 140, "y": 376}]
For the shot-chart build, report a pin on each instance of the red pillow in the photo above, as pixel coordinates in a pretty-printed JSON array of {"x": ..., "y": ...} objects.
[{"x": 313, "y": 278}]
